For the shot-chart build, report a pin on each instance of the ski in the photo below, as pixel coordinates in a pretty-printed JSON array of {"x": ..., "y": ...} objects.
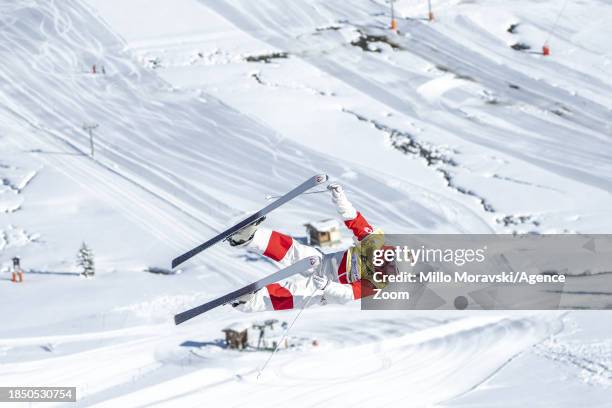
[
  {"x": 308, "y": 184},
  {"x": 298, "y": 267}
]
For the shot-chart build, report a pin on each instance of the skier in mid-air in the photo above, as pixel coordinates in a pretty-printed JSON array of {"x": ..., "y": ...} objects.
[{"x": 338, "y": 278}]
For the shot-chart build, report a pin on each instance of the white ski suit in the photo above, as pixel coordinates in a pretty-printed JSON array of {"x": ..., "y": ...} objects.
[{"x": 341, "y": 268}]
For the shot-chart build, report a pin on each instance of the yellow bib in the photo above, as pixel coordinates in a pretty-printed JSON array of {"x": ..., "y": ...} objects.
[{"x": 364, "y": 256}]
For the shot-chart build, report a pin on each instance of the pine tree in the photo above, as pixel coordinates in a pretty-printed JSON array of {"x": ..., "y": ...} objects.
[{"x": 85, "y": 259}]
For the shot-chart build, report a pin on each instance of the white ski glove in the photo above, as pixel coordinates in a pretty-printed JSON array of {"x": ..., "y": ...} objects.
[
  {"x": 333, "y": 292},
  {"x": 343, "y": 205},
  {"x": 320, "y": 282}
]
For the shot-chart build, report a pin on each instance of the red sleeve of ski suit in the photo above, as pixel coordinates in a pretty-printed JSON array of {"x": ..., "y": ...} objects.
[{"x": 360, "y": 227}]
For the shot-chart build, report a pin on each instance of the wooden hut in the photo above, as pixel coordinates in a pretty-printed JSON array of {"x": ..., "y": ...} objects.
[
  {"x": 236, "y": 336},
  {"x": 323, "y": 233}
]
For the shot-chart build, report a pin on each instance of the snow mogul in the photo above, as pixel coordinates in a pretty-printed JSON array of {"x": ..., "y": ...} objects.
[{"x": 338, "y": 278}]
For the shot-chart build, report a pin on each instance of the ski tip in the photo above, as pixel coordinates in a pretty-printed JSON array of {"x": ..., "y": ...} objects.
[
  {"x": 176, "y": 262},
  {"x": 177, "y": 320},
  {"x": 321, "y": 178}
]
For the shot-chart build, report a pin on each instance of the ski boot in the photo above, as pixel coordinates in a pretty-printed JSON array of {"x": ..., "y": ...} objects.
[{"x": 245, "y": 235}]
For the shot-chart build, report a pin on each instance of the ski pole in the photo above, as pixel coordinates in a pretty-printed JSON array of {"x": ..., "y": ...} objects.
[
  {"x": 271, "y": 197},
  {"x": 305, "y": 303}
]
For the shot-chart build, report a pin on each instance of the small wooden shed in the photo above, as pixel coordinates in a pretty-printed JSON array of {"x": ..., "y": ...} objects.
[
  {"x": 236, "y": 336},
  {"x": 324, "y": 232}
]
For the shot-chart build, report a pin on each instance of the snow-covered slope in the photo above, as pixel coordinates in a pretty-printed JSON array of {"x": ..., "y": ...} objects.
[
  {"x": 508, "y": 124},
  {"x": 206, "y": 107}
]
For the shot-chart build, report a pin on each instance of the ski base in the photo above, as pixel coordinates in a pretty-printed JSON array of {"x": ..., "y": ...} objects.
[
  {"x": 298, "y": 267},
  {"x": 306, "y": 185}
]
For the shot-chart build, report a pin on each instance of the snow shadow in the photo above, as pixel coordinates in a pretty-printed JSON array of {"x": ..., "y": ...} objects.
[{"x": 201, "y": 344}]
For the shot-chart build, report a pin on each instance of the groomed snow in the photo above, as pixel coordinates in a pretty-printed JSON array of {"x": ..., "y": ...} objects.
[{"x": 206, "y": 107}]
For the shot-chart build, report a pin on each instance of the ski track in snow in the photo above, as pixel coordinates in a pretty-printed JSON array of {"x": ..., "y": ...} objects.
[
  {"x": 424, "y": 367},
  {"x": 581, "y": 133}
]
